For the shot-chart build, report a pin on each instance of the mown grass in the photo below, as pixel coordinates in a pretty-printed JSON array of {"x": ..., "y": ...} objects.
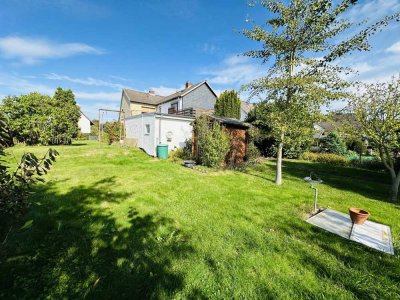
[{"x": 112, "y": 222}]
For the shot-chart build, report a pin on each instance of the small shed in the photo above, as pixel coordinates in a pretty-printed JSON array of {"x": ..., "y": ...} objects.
[{"x": 239, "y": 139}]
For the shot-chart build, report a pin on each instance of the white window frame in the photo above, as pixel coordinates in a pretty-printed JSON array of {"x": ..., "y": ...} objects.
[{"x": 147, "y": 129}]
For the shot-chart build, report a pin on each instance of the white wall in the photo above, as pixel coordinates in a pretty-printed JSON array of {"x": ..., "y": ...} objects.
[
  {"x": 135, "y": 129},
  {"x": 243, "y": 115},
  {"x": 180, "y": 129},
  {"x": 163, "y": 108},
  {"x": 160, "y": 126},
  {"x": 84, "y": 124}
]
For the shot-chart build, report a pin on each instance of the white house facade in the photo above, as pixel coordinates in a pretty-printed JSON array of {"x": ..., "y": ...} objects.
[{"x": 84, "y": 123}]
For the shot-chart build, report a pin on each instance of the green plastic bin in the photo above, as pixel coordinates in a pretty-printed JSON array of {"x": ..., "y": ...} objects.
[{"x": 162, "y": 151}]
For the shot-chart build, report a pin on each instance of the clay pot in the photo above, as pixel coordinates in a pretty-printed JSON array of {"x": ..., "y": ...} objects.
[{"x": 358, "y": 215}]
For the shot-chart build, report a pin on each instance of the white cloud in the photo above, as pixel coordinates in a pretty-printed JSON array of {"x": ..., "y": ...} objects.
[
  {"x": 166, "y": 91},
  {"x": 84, "y": 81},
  {"x": 234, "y": 70},
  {"x": 18, "y": 85},
  {"x": 209, "y": 48},
  {"x": 100, "y": 96},
  {"x": 15, "y": 85},
  {"x": 395, "y": 48},
  {"x": 32, "y": 50},
  {"x": 373, "y": 10},
  {"x": 92, "y": 110}
]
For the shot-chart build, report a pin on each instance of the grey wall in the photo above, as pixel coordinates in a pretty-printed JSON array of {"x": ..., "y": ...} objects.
[
  {"x": 125, "y": 105},
  {"x": 201, "y": 97}
]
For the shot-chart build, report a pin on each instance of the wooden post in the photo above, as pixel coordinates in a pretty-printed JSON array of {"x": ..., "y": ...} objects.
[{"x": 99, "y": 127}]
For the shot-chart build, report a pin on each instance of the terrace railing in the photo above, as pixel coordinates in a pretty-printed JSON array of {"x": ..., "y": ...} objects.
[{"x": 188, "y": 112}]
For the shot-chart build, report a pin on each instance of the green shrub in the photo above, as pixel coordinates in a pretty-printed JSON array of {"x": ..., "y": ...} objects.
[
  {"x": 333, "y": 144},
  {"x": 328, "y": 158},
  {"x": 82, "y": 136},
  {"x": 252, "y": 152},
  {"x": 187, "y": 150},
  {"x": 16, "y": 184},
  {"x": 374, "y": 164},
  {"x": 213, "y": 142},
  {"x": 112, "y": 132}
]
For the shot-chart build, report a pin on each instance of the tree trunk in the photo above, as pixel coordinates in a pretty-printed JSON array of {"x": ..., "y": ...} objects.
[
  {"x": 395, "y": 188},
  {"x": 278, "y": 176}
]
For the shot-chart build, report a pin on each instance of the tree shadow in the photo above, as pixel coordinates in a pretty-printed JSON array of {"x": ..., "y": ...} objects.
[
  {"x": 371, "y": 184},
  {"x": 361, "y": 271},
  {"x": 76, "y": 248}
]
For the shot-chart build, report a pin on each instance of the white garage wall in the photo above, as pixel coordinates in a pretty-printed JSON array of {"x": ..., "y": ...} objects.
[
  {"x": 179, "y": 128},
  {"x": 135, "y": 129}
]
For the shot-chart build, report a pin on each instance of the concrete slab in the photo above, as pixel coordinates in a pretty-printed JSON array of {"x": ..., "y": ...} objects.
[{"x": 370, "y": 234}]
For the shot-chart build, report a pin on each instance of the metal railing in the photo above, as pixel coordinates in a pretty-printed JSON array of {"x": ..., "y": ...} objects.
[{"x": 188, "y": 112}]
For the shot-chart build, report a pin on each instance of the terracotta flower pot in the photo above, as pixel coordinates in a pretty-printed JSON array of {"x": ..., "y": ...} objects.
[{"x": 358, "y": 215}]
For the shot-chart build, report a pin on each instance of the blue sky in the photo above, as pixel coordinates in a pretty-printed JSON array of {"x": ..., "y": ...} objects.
[{"x": 98, "y": 47}]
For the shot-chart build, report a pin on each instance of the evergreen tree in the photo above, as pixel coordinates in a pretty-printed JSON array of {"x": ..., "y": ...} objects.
[{"x": 228, "y": 105}]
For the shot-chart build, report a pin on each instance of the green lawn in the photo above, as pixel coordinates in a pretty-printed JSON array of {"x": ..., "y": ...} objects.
[{"x": 113, "y": 223}]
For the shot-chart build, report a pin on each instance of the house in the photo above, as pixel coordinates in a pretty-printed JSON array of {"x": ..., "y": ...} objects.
[
  {"x": 84, "y": 123},
  {"x": 150, "y": 119},
  {"x": 135, "y": 102},
  {"x": 198, "y": 97},
  {"x": 245, "y": 108}
]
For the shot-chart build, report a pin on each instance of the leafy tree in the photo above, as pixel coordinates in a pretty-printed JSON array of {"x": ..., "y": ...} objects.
[
  {"x": 15, "y": 186},
  {"x": 66, "y": 115},
  {"x": 36, "y": 118},
  {"x": 333, "y": 143},
  {"x": 29, "y": 115},
  {"x": 264, "y": 138},
  {"x": 377, "y": 109},
  {"x": 228, "y": 105},
  {"x": 297, "y": 83}
]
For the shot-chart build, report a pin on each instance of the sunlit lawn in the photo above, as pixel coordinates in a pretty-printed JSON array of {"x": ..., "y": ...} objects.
[{"x": 113, "y": 223}]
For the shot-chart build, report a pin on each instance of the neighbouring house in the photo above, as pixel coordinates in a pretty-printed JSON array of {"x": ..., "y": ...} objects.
[
  {"x": 239, "y": 139},
  {"x": 84, "y": 123},
  {"x": 245, "y": 108}
]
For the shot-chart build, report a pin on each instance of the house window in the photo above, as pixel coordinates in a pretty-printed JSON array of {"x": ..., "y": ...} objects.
[
  {"x": 174, "y": 106},
  {"x": 147, "y": 129}
]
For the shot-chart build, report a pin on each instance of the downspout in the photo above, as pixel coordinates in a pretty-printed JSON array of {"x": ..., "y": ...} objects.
[
  {"x": 141, "y": 131},
  {"x": 159, "y": 130}
]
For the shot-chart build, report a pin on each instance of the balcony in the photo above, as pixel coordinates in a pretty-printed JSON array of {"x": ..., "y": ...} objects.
[{"x": 187, "y": 112}]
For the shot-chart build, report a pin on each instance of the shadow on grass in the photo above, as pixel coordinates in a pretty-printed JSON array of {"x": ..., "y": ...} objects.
[
  {"x": 361, "y": 271},
  {"x": 371, "y": 184},
  {"x": 75, "y": 248}
]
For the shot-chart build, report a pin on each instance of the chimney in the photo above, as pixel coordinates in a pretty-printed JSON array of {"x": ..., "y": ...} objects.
[
  {"x": 188, "y": 84},
  {"x": 152, "y": 92}
]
